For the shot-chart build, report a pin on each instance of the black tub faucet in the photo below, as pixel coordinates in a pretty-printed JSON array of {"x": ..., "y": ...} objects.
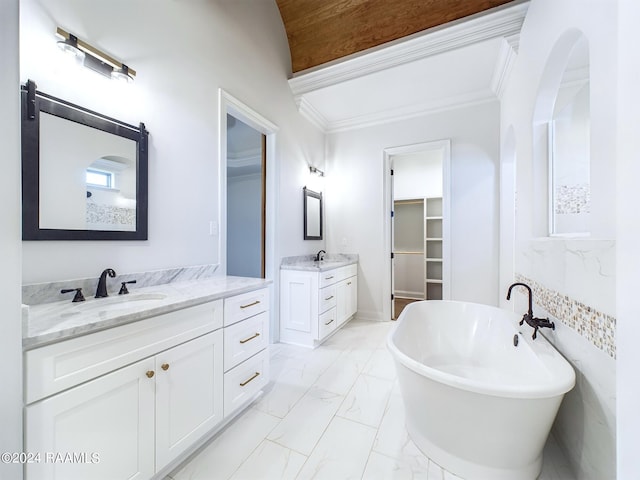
[
  {"x": 101, "y": 291},
  {"x": 320, "y": 256},
  {"x": 528, "y": 317}
]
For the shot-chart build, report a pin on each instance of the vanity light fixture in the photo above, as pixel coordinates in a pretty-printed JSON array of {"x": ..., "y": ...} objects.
[
  {"x": 93, "y": 58},
  {"x": 316, "y": 171}
]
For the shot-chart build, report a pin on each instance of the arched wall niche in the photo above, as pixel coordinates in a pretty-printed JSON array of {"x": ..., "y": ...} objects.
[{"x": 566, "y": 72}]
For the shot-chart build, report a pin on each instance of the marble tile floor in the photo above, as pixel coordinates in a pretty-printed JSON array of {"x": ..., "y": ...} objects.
[{"x": 331, "y": 413}]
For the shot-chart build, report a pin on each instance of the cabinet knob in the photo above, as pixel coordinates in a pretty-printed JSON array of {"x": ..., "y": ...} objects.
[
  {"x": 150, "y": 373},
  {"x": 164, "y": 366}
]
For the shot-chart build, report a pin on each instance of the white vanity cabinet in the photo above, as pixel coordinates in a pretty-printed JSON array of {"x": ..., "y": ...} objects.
[
  {"x": 189, "y": 396},
  {"x": 109, "y": 421},
  {"x": 176, "y": 394},
  {"x": 347, "y": 298},
  {"x": 132, "y": 400},
  {"x": 313, "y": 304},
  {"x": 246, "y": 336}
]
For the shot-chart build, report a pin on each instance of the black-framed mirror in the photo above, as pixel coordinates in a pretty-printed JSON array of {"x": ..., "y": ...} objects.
[
  {"x": 312, "y": 214},
  {"x": 84, "y": 175}
]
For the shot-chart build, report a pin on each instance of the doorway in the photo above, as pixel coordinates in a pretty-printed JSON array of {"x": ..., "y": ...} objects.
[
  {"x": 417, "y": 190},
  {"x": 246, "y": 199},
  {"x": 231, "y": 106}
]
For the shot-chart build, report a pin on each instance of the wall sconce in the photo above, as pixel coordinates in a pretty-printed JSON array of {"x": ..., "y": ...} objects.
[
  {"x": 93, "y": 58},
  {"x": 316, "y": 171}
]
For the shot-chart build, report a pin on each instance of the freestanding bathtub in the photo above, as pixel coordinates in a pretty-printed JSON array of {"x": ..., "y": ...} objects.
[{"x": 477, "y": 404}]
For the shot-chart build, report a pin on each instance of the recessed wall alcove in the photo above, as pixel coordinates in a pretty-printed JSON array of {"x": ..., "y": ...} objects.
[{"x": 566, "y": 74}]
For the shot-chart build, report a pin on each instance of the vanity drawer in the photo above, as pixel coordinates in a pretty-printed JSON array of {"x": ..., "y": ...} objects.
[
  {"x": 244, "y": 381},
  {"x": 327, "y": 298},
  {"x": 329, "y": 277},
  {"x": 327, "y": 323},
  {"x": 56, "y": 367},
  {"x": 244, "y": 339},
  {"x": 245, "y": 305},
  {"x": 349, "y": 271}
]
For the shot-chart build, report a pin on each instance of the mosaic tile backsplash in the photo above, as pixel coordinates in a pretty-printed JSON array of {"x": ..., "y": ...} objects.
[
  {"x": 110, "y": 217},
  {"x": 597, "y": 327},
  {"x": 572, "y": 199}
]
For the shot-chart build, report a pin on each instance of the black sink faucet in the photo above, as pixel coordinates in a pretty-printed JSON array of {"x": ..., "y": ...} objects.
[
  {"x": 101, "y": 291},
  {"x": 320, "y": 256},
  {"x": 528, "y": 317}
]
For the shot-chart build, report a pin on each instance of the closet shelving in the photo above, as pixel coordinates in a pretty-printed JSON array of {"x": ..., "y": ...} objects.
[
  {"x": 433, "y": 247},
  {"x": 409, "y": 248},
  {"x": 420, "y": 221}
]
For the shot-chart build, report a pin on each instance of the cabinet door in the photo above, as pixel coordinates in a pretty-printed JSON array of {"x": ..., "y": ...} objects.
[
  {"x": 189, "y": 395},
  {"x": 352, "y": 296},
  {"x": 347, "y": 299},
  {"x": 102, "y": 429},
  {"x": 299, "y": 302}
]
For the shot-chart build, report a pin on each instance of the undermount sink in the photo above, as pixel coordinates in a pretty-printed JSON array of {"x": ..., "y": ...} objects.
[{"x": 116, "y": 302}]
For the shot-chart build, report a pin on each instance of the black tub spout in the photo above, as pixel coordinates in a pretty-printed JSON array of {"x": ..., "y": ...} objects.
[{"x": 528, "y": 317}]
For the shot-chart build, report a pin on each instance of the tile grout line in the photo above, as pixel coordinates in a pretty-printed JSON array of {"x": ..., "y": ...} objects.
[{"x": 386, "y": 409}]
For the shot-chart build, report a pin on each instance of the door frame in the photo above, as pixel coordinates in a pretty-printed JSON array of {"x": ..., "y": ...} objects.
[
  {"x": 228, "y": 104},
  {"x": 387, "y": 194}
]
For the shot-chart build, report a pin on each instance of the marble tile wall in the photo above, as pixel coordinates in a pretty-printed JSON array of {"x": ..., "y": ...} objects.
[
  {"x": 597, "y": 327},
  {"x": 38, "y": 293}
]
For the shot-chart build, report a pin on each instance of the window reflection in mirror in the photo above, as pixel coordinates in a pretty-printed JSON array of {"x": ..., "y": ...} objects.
[{"x": 569, "y": 148}]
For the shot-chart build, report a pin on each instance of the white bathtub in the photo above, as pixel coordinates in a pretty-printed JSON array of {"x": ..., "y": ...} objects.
[{"x": 477, "y": 405}]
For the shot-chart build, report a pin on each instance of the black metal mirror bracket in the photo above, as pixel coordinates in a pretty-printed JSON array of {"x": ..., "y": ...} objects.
[{"x": 34, "y": 102}]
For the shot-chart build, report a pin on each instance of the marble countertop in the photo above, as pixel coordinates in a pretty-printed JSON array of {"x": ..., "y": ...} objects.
[
  {"x": 54, "y": 322},
  {"x": 308, "y": 264}
]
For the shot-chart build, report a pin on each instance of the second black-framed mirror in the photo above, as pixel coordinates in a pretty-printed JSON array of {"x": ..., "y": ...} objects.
[{"x": 312, "y": 214}]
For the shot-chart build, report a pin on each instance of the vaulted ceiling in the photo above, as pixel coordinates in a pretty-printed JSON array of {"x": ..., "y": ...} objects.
[
  {"x": 320, "y": 31},
  {"x": 359, "y": 63}
]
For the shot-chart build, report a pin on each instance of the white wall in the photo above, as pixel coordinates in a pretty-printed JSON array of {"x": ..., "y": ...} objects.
[
  {"x": 180, "y": 66},
  {"x": 417, "y": 175},
  {"x": 575, "y": 270},
  {"x": 356, "y": 207},
  {"x": 627, "y": 235},
  {"x": 10, "y": 245}
]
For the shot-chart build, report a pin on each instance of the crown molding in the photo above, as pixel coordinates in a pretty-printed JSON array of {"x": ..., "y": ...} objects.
[
  {"x": 502, "y": 22},
  {"x": 504, "y": 66},
  {"x": 412, "y": 111},
  {"x": 244, "y": 158},
  {"x": 308, "y": 111}
]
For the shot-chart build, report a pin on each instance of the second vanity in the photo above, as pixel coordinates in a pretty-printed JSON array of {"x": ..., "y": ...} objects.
[
  {"x": 316, "y": 298},
  {"x": 128, "y": 387}
]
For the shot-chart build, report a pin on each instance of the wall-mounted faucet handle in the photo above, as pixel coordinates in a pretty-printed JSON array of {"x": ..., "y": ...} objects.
[
  {"x": 78, "y": 297},
  {"x": 123, "y": 287},
  {"x": 101, "y": 291}
]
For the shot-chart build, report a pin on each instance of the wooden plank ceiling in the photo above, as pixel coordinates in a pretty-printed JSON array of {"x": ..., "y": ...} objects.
[{"x": 320, "y": 31}]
